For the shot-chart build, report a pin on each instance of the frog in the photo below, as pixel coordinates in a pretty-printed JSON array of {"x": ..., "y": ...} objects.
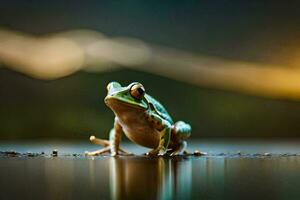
[{"x": 143, "y": 120}]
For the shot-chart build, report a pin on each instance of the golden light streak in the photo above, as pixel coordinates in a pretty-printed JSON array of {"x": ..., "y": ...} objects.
[
  {"x": 58, "y": 55},
  {"x": 45, "y": 58}
]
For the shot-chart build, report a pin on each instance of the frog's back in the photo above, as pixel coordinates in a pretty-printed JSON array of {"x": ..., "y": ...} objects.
[{"x": 159, "y": 108}]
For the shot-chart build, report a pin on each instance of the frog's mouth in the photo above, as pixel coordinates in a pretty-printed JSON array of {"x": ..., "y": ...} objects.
[{"x": 119, "y": 103}]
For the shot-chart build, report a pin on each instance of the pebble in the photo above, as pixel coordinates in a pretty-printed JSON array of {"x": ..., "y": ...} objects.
[
  {"x": 54, "y": 153},
  {"x": 10, "y": 153},
  {"x": 30, "y": 154},
  {"x": 284, "y": 154}
]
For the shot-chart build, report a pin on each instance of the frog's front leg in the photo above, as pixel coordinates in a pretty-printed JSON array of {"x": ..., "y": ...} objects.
[
  {"x": 164, "y": 128},
  {"x": 115, "y": 138},
  {"x": 112, "y": 145}
]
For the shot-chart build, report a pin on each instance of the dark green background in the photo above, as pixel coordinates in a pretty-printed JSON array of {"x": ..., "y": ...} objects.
[{"x": 72, "y": 107}]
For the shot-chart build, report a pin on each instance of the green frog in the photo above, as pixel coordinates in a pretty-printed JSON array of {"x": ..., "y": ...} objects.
[{"x": 143, "y": 120}]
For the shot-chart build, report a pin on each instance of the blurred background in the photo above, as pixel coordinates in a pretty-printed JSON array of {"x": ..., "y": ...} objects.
[{"x": 230, "y": 68}]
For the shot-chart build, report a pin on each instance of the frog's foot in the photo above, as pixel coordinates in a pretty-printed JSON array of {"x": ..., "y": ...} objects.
[
  {"x": 121, "y": 153},
  {"x": 155, "y": 152},
  {"x": 106, "y": 149},
  {"x": 178, "y": 150},
  {"x": 98, "y": 152},
  {"x": 151, "y": 153}
]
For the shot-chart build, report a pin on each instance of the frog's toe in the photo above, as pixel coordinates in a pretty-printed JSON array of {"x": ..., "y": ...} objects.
[
  {"x": 114, "y": 154},
  {"x": 174, "y": 154},
  {"x": 152, "y": 153},
  {"x": 99, "y": 141},
  {"x": 162, "y": 153},
  {"x": 126, "y": 154},
  {"x": 98, "y": 152}
]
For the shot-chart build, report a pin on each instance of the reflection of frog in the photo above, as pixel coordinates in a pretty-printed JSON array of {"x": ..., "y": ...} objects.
[
  {"x": 155, "y": 178},
  {"x": 143, "y": 120}
]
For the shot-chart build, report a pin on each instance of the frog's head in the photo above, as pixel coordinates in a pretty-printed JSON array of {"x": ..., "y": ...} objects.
[{"x": 131, "y": 97}]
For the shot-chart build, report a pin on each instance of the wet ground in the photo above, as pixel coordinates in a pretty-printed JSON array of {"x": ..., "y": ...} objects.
[{"x": 232, "y": 169}]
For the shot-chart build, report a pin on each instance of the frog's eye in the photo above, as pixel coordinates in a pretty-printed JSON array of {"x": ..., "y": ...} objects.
[
  {"x": 112, "y": 84},
  {"x": 137, "y": 91}
]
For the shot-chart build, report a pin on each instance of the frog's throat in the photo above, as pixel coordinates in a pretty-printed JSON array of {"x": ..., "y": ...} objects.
[{"x": 117, "y": 104}]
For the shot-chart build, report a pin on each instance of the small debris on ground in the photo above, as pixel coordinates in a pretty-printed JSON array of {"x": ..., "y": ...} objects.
[
  {"x": 11, "y": 153},
  {"x": 30, "y": 154},
  {"x": 185, "y": 154},
  {"x": 54, "y": 153}
]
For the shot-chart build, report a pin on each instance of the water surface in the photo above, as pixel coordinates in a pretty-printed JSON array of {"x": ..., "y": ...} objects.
[{"x": 222, "y": 174}]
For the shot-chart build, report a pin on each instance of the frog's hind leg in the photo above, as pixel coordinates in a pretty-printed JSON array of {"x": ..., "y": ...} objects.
[{"x": 181, "y": 130}]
